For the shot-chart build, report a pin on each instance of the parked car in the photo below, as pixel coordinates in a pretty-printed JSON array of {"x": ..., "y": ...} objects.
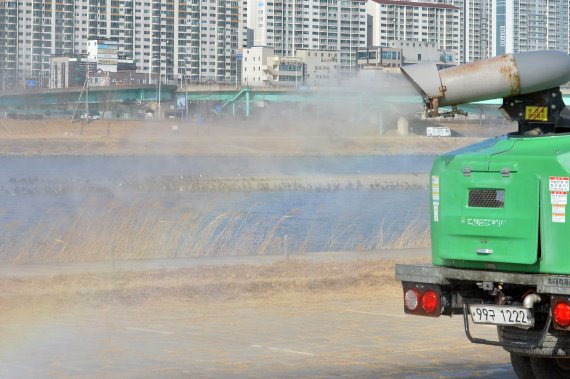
[{"x": 91, "y": 116}]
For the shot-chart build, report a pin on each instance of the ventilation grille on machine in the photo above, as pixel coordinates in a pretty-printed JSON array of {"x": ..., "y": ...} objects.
[{"x": 487, "y": 198}]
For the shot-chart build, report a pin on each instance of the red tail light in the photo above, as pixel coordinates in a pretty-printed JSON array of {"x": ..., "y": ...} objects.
[
  {"x": 426, "y": 300},
  {"x": 429, "y": 301},
  {"x": 561, "y": 313}
]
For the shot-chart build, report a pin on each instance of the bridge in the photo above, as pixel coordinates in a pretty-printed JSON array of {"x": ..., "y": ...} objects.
[
  {"x": 128, "y": 101},
  {"x": 65, "y": 101},
  {"x": 132, "y": 101}
]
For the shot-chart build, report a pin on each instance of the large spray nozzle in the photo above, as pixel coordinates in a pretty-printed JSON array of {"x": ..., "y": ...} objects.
[{"x": 498, "y": 77}]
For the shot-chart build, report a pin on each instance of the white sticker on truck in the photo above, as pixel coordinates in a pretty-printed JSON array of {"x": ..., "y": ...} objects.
[
  {"x": 558, "y": 213},
  {"x": 559, "y": 183},
  {"x": 559, "y": 187},
  {"x": 483, "y": 222},
  {"x": 435, "y": 197},
  {"x": 435, "y": 188},
  {"x": 558, "y": 198}
]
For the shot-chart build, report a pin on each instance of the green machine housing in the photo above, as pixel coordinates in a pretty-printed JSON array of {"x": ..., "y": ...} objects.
[{"x": 501, "y": 204}]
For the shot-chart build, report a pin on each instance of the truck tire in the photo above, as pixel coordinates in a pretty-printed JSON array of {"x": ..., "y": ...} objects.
[
  {"x": 546, "y": 368},
  {"x": 522, "y": 366},
  {"x": 556, "y": 344}
]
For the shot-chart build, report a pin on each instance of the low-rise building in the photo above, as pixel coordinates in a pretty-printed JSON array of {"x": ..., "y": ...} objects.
[
  {"x": 104, "y": 52},
  {"x": 124, "y": 78},
  {"x": 322, "y": 68},
  {"x": 263, "y": 68},
  {"x": 401, "y": 53},
  {"x": 69, "y": 71},
  {"x": 420, "y": 51},
  {"x": 253, "y": 62},
  {"x": 377, "y": 57}
]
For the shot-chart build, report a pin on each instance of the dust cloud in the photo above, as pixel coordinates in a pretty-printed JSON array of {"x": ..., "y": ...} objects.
[
  {"x": 215, "y": 185},
  {"x": 326, "y": 170},
  {"x": 104, "y": 223}
]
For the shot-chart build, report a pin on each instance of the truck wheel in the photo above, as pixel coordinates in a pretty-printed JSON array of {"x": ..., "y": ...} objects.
[
  {"x": 522, "y": 366},
  {"x": 546, "y": 368}
]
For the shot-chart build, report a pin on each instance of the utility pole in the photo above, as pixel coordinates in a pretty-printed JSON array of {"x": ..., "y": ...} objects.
[
  {"x": 186, "y": 96},
  {"x": 149, "y": 82},
  {"x": 87, "y": 92},
  {"x": 159, "y": 94},
  {"x": 84, "y": 122}
]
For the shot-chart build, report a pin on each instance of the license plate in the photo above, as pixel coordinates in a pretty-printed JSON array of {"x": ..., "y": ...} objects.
[{"x": 500, "y": 315}]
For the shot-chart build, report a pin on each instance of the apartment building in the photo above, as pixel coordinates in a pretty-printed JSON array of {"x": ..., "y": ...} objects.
[
  {"x": 180, "y": 40},
  {"x": 8, "y": 44},
  {"x": 537, "y": 24},
  {"x": 486, "y": 27},
  {"x": 495, "y": 27},
  {"x": 325, "y": 25},
  {"x": 478, "y": 32},
  {"x": 419, "y": 22},
  {"x": 189, "y": 41},
  {"x": 483, "y": 25},
  {"x": 31, "y": 32}
]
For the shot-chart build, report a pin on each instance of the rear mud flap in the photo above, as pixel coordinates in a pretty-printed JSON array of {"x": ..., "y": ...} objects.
[{"x": 520, "y": 345}]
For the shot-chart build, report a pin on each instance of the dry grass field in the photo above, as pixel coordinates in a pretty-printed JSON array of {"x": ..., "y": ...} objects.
[
  {"x": 146, "y": 231},
  {"x": 228, "y": 137},
  {"x": 202, "y": 283}
]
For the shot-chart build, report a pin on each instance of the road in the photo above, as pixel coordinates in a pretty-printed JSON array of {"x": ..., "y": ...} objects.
[
  {"x": 350, "y": 333},
  {"x": 34, "y": 270}
]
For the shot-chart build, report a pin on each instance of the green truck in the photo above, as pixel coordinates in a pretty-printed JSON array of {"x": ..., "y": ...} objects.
[{"x": 500, "y": 233}]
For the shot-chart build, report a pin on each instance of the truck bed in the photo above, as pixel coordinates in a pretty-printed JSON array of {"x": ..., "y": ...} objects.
[{"x": 559, "y": 284}]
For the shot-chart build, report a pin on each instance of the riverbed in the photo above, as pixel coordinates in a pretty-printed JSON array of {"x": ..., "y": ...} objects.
[{"x": 67, "y": 208}]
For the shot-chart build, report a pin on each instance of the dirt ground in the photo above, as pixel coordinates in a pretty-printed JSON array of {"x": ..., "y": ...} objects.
[
  {"x": 286, "y": 319},
  {"x": 227, "y": 137}
]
